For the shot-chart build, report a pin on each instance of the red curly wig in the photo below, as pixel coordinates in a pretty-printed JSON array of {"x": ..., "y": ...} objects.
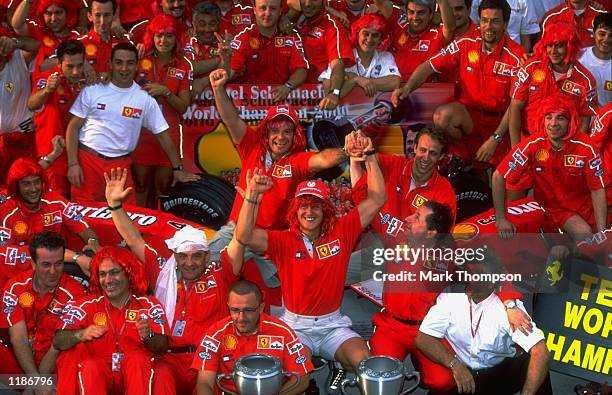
[
  {"x": 133, "y": 268},
  {"x": 299, "y": 140},
  {"x": 21, "y": 168},
  {"x": 329, "y": 213},
  {"x": 560, "y": 32},
  {"x": 561, "y": 104},
  {"x": 163, "y": 23},
  {"x": 371, "y": 21},
  {"x": 68, "y": 5}
]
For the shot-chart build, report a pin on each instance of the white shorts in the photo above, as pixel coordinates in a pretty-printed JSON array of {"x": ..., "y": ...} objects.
[{"x": 322, "y": 334}]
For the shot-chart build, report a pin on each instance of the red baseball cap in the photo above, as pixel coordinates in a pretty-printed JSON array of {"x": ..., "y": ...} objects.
[
  {"x": 314, "y": 188},
  {"x": 277, "y": 111}
]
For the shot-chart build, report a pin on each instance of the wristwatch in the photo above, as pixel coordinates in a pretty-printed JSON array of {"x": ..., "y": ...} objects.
[
  {"x": 76, "y": 256},
  {"x": 497, "y": 137},
  {"x": 336, "y": 92},
  {"x": 178, "y": 168},
  {"x": 510, "y": 304}
]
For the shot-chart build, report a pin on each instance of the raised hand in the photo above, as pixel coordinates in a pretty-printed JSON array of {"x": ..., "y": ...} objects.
[
  {"x": 116, "y": 192},
  {"x": 218, "y": 78}
]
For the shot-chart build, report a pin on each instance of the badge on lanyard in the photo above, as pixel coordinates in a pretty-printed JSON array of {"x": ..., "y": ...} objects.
[
  {"x": 116, "y": 361},
  {"x": 179, "y": 328}
]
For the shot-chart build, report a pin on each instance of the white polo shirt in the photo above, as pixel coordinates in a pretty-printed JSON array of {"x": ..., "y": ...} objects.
[
  {"x": 523, "y": 18},
  {"x": 492, "y": 341},
  {"x": 602, "y": 71},
  {"x": 382, "y": 65},
  {"x": 114, "y": 116},
  {"x": 14, "y": 93}
]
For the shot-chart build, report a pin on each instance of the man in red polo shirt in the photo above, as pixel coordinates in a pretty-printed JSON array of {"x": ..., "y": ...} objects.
[
  {"x": 409, "y": 184},
  {"x": 248, "y": 330},
  {"x": 277, "y": 147},
  {"x": 33, "y": 304},
  {"x": 192, "y": 290},
  {"x": 486, "y": 65},
  {"x": 264, "y": 55},
  {"x": 600, "y": 136},
  {"x": 118, "y": 326},
  {"x": 554, "y": 69},
  {"x": 565, "y": 168},
  {"x": 312, "y": 257},
  {"x": 51, "y": 98},
  {"x": 416, "y": 39},
  {"x": 326, "y": 43},
  {"x": 579, "y": 13}
]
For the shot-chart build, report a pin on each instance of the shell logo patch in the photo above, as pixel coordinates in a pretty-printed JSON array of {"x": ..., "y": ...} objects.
[
  {"x": 541, "y": 155},
  {"x": 20, "y": 228},
  {"x": 465, "y": 231},
  {"x": 90, "y": 50},
  {"x": 230, "y": 342},
  {"x": 402, "y": 40},
  {"x": 146, "y": 64},
  {"x": 473, "y": 56},
  {"x": 99, "y": 319},
  {"x": 254, "y": 43},
  {"x": 26, "y": 299},
  {"x": 539, "y": 75},
  {"x": 48, "y": 41}
]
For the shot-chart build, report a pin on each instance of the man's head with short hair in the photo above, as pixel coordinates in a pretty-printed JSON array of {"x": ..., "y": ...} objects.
[
  {"x": 123, "y": 64},
  {"x": 419, "y": 14},
  {"x": 47, "y": 253},
  {"x": 206, "y": 18},
  {"x": 311, "y": 9},
  {"x": 267, "y": 13},
  {"x": 71, "y": 57},
  {"x": 100, "y": 14},
  {"x": 174, "y": 8},
  {"x": 501, "y": 5},
  {"x": 245, "y": 303},
  {"x": 432, "y": 222},
  {"x": 602, "y": 31},
  {"x": 429, "y": 145},
  {"x": 494, "y": 16},
  {"x": 461, "y": 12}
]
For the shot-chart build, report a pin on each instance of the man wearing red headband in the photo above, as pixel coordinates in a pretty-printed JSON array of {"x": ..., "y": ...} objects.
[
  {"x": 264, "y": 55},
  {"x": 16, "y": 126},
  {"x": 579, "y": 13},
  {"x": 566, "y": 170},
  {"x": 32, "y": 209},
  {"x": 51, "y": 24},
  {"x": 118, "y": 327},
  {"x": 277, "y": 147},
  {"x": 554, "y": 69},
  {"x": 312, "y": 257}
]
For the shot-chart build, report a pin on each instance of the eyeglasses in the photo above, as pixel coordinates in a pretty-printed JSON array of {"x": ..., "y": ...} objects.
[
  {"x": 246, "y": 310},
  {"x": 112, "y": 273}
]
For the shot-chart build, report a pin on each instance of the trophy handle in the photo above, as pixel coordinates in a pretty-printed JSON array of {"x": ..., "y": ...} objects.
[
  {"x": 225, "y": 377},
  {"x": 413, "y": 375},
  {"x": 352, "y": 382},
  {"x": 297, "y": 381}
]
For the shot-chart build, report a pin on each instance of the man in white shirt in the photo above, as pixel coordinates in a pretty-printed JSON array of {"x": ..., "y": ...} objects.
[
  {"x": 105, "y": 128},
  {"x": 598, "y": 58},
  {"x": 475, "y": 323}
]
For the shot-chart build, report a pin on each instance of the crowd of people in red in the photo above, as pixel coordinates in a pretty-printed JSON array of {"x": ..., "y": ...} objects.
[{"x": 91, "y": 102}]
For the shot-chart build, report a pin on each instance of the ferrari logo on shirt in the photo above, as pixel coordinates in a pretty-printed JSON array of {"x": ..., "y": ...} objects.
[
  {"x": 99, "y": 318},
  {"x": 503, "y": 69},
  {"x": 282, "y": 171},
  {"x": 52, "y": 218},
  {"x": 270, "y": 342},
  {"x": 418, "y": 200},
  {"x": 21, "y": 228},
  {"x": 176, "y": 73},
  {"x": 279, "y": 42},
  {"x": 9, "y": 87},
  {"x": 241, "y": 19},
  {"x": 541, "y": 155},
  {"x": 200, "y": 287},
  {"x": 56, "y": 307},
  {"x": 539, "y": 75},
  {"x": 328, "y": 250},
  {"x": 570, "y": 160},
  {"x": 26, "y": 299},
  {"x": 254, "y": 43},
  {"x": 473, "y": 56},
  {"x": 608, "y": 86},
  {"x": 131, "y": 315},
  {"x": 90, "y": 50},
  {"x": 129, "y": 112},
  {"x": 572, "y": 87},
  {"x": 230, "y": 342}
]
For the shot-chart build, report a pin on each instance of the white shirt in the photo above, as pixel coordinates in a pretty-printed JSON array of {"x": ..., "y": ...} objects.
[
  {"x": 114, "y": 116},
  {"x": 523, "y": 18},
  {"x": 14, "y": 93},
  {"x": 382, "y": 65},
  {"x": 602, "y": 71},
  {"x": 449, "y": 318}
]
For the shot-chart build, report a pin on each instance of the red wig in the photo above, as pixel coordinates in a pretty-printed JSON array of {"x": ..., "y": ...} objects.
[
  {"x": 163, "y": 23},
  {"x": 132, "y": 267},
  {"x": 371, "y": 21},
  {"x": 329, "y": 213},
  {"x": 559, "y": 103},
  {"x": 21, "y": 168},
  {"x": 71, "y": 12},
  {"x": 560, "y": 32},
  {"x": 299, "y": 140}
]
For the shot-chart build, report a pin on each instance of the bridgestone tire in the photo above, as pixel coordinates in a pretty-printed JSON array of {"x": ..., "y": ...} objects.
[{"x": 473, "y": 196}]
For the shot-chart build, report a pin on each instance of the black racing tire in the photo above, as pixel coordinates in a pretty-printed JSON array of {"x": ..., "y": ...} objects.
[
  {"x": 208, "y": 201},
  {"x": 473, "y": 196}
]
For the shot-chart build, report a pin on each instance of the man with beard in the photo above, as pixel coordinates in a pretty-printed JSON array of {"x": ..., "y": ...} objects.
[
  {"x": 118, "y": 329},
  {"x": 32, "y": 209},
  {"x": 487, "y": 63},
  {"x": 598, "y": 58},
  {"x": 33, "y": 303},
  {"x": 248, "y": 330},
  {"x": 264, "y": 55},
  {"x": 277, "y": 146}
]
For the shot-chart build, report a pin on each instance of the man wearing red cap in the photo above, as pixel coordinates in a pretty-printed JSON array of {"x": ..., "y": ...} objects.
[
  {"x": 312, "y": 257},
  {"x": 32, "y": 209},
  {"x": 118, "y": 329},
  {"x": 33, "y": 303},
  {"x": 276, "y": 147},
  {"x": 579, "y": 13},
  {"x": 565, "y": 168},
  {"x": 554, "y": 69}
]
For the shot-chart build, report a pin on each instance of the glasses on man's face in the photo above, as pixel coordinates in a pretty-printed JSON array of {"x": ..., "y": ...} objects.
[
  {"x": 112, "y": 273},
  {"x": 246, "y": 310}
]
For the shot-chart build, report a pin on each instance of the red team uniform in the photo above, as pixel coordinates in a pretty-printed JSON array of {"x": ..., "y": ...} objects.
[
  {"x": 600, "y": 136},
  {"x": 485, "y": 82},
  {"x": 48, "y": 43},
  {"x": 266, "y": 60},
  {"x": 98, "y": 51},
  {"x": 583, "y": 22},
  {"x": 222, "y": 346},
  {"x": 236, "y": 19}
]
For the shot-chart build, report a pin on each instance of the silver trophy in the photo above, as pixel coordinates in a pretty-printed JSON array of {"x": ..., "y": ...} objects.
[
  {"x": 381, "y": 375},
  {"x": 257, "y": 374}
]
